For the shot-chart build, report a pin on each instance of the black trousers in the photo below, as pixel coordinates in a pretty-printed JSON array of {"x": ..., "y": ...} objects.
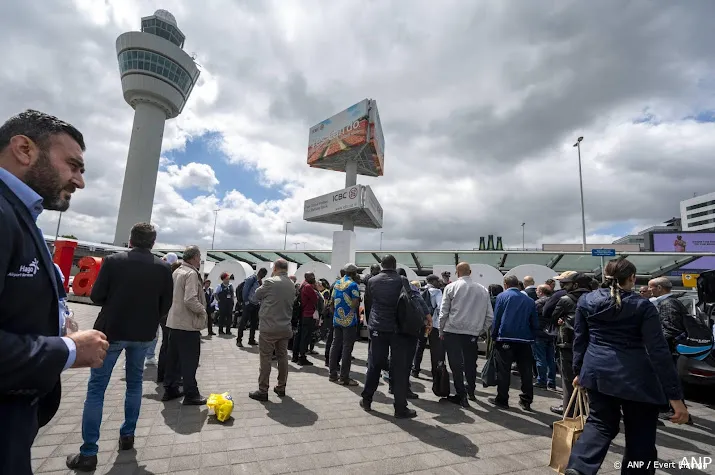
[
  {"x": 329, "y": 339},
  {"x": 250, "y": 314},
  {"x": 183, "y": 361},
  {"x": 402, "y": 350},
  {"x": 462, "y": 355},
  {"x": 302, "y": 338},
  {"x": 640, "y": 422},
  {"x": 567, "y": 376},
  {"x": 341, "y": 352},
  {"x": 163, "y": 352},
  {"x": 19, "y": 429},
  {"x": 506, "y": 354},
  {"x": 224, "y": 319}
]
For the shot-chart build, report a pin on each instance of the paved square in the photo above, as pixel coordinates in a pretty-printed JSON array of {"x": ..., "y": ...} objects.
[{"x": 319, "y": 427}]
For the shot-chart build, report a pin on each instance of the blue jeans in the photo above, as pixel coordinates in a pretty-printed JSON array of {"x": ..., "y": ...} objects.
[
  {"x": 545, "y": 355},
  {"x": 151, "y": 352},
  {"x": 98, "y": 382}
]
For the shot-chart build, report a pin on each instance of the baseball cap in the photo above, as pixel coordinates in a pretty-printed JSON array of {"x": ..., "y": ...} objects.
[
  {"x": 431, "y": 278},
  {"x": 579, "y": 278},
  {"x": 565, "y": 275}
]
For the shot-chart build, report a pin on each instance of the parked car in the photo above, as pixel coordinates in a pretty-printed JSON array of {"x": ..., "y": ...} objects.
[{"x": 692, "y": 371}]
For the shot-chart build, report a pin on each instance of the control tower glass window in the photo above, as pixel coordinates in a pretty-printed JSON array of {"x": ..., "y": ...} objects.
[
  {"x": 166, "y": 30},
  {"x": 142, "y": 60}
]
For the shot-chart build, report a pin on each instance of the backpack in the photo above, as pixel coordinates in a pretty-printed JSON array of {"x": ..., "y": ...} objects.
[
  {"x": 297, "y": 311},
  {"x": 697, "y": 341},
  {"x": 239, "y": 292},
  {"x": 410, "y": 320},
  {"x": 428, "y": 300}
]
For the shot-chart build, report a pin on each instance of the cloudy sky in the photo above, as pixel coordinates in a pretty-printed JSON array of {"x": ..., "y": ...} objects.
[{"x": 480, "y": 103}]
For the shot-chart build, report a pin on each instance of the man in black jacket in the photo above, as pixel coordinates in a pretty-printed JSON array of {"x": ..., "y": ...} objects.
[
  {"x": 576, "y": 286},
  {"x": 225, "y": 296},
  {"x": 135, "y": 290},
  {"x": 384, "y": 290},
  {"x": 41, "y": 165},
  {"x": 374, "y": 270}
]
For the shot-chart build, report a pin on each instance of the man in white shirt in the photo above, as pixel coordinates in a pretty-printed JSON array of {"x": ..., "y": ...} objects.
[
  {"x": 466, "y": 313},
  {"x": 432, "y": 295}
]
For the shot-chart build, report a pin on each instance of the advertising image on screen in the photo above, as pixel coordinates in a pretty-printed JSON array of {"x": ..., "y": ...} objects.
[{"x": 687, "y": 243}]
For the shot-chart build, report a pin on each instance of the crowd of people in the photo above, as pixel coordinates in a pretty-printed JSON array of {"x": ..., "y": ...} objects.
[{"x": 607, "y": 339}]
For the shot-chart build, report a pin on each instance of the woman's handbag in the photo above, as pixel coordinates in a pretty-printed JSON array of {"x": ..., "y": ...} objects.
[{"x": 568, "y": 430}]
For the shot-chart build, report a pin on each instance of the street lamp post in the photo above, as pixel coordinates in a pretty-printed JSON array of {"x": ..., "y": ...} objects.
[
  {"x": 213, "y": 238},
  {"x": 523, "y": 237},
  {"x": 580, "y": 180},
  {"x": 381, "y": 240},
  {"x": 285, "y": 239}
]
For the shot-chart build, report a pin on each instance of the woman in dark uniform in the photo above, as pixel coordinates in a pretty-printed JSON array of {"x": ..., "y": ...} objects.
[{"x": 621, "y": 357}]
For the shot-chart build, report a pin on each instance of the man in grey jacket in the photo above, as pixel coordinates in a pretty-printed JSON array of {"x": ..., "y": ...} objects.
[
  {"x": 466, "y": 313},
  {"x": 276, "y": 296}
]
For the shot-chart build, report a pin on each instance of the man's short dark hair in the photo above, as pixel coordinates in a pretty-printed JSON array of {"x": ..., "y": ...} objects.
[
  {"x": 263, "y": 271},
  {"x": 389, "y": 262},
  {"x": 142, "y": 236},
  {"x": 38, "y": 127},
  {"x": 375, "y": 269},
  {"x": 511, "y": 281}
]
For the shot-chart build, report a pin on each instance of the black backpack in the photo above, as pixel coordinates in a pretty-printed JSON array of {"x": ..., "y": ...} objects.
[
  {"x": 697, "y": 341},
  {"x": 428, "y": 300},
  {"x": 410, "y": 320},
  {"x": 297, "y": 310}
]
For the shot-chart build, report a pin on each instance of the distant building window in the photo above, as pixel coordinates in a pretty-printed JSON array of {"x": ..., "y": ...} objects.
[
  {"x": 703, "y": 222},
  {"x": 701, "y": 213},
  {"x": 157, "y": 64},
  {"x": 700, "y": 205}
]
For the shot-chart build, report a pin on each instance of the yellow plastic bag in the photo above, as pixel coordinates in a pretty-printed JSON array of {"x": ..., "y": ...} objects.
[{"x": 222, "y": 405}]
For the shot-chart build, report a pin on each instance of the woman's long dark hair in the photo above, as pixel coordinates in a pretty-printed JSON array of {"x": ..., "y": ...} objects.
[
  {"x": 617, "y": 272},
  {"x": 495, "y": 289}
]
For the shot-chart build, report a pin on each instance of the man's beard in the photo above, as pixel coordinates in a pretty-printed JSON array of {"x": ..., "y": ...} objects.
[{"x": 44, "y": 179}]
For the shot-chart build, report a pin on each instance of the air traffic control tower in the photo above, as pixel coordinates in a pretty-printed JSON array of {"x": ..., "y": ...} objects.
[{"x": 157, "y": 79}]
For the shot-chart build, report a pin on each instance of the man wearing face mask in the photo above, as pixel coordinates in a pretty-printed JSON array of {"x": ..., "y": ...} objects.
[{"x": 41, "y": 165}]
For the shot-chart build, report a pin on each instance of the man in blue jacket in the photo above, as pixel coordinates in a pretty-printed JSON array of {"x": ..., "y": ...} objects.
[
  {"x": 41, "y": 165},
  {"x": 250, "y": 307},
  {"x": 515, "y": 324}
]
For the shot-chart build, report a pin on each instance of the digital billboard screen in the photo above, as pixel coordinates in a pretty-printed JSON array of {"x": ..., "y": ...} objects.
[{"x": 687, "y": 242}]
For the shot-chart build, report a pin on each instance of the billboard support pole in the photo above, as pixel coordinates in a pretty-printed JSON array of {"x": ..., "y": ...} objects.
[
  {"x": 603, "y": 271},
  {"x": 350, "y": 180}
]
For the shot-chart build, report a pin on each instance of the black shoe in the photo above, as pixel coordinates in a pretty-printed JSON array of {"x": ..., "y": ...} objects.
[
  {"x": 305, "y": 361},
  {"x": 551, "y": 387},
  {"x": 525, "y": 406},
  {"x": 211, "y": 333},
  {"x": 493, "y": 401},
  {"x": 471, "y": 396},
  {"x": 258, "y": 396},
  {"x": 412, "y": 395},
  {"x": 220, "y": 332},
  {"x": 539, "y": 385},
  {"x": 126, "y": 442},
  {"x": 558, "y": 410},
  {"x": 416, "y": 373},
  {"x": 82, "y": 463},
  {"x": 194, "y": 401},
  {"x": 406, "y": 414},
  {"x": 366, "y": 405},
  {"x": 252, "y": 342},
  {"x": 295, "y": 360},
  {"x": 228, "y": 332},
  {"x": 459, "y": 400},
  {"x": 349, "y": 382},
  {"x": 333, "y": 378},
  {"x": 171, "y": 394},
  {"x": 239, "y": 343},
  {"x": 279, "y": 392}
]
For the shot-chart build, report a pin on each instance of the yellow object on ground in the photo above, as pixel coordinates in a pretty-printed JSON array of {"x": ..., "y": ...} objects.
[{"x": 222, "y": 405}]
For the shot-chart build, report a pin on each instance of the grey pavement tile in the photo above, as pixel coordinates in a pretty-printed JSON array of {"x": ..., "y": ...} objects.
[{"x": 319, "y": 429}]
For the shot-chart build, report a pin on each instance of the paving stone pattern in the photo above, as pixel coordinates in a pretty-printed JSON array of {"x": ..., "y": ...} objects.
[{"x": 319, "y": 427}]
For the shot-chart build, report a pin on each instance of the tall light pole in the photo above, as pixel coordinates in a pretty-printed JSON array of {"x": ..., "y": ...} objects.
[
  {"x": 381, "y": 240},
  {"x": 285, "y": 239},
  {"x": 213, "y": 238},
  {"x": 580, "y": 180},
  {"x": 523, "y": 235}
]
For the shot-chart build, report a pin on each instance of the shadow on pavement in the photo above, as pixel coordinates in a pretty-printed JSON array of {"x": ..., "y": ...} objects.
[
  {"x": 290, "y": 413},
  {"x": 125, "y": 463},
  {"x": 435, "y": 436}
]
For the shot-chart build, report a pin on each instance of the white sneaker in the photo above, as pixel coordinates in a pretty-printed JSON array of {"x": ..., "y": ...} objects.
[{"x": 151, "y": 361}]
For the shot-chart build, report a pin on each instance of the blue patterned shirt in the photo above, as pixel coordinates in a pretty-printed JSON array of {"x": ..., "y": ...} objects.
[{"x": 346, "y": 298}]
